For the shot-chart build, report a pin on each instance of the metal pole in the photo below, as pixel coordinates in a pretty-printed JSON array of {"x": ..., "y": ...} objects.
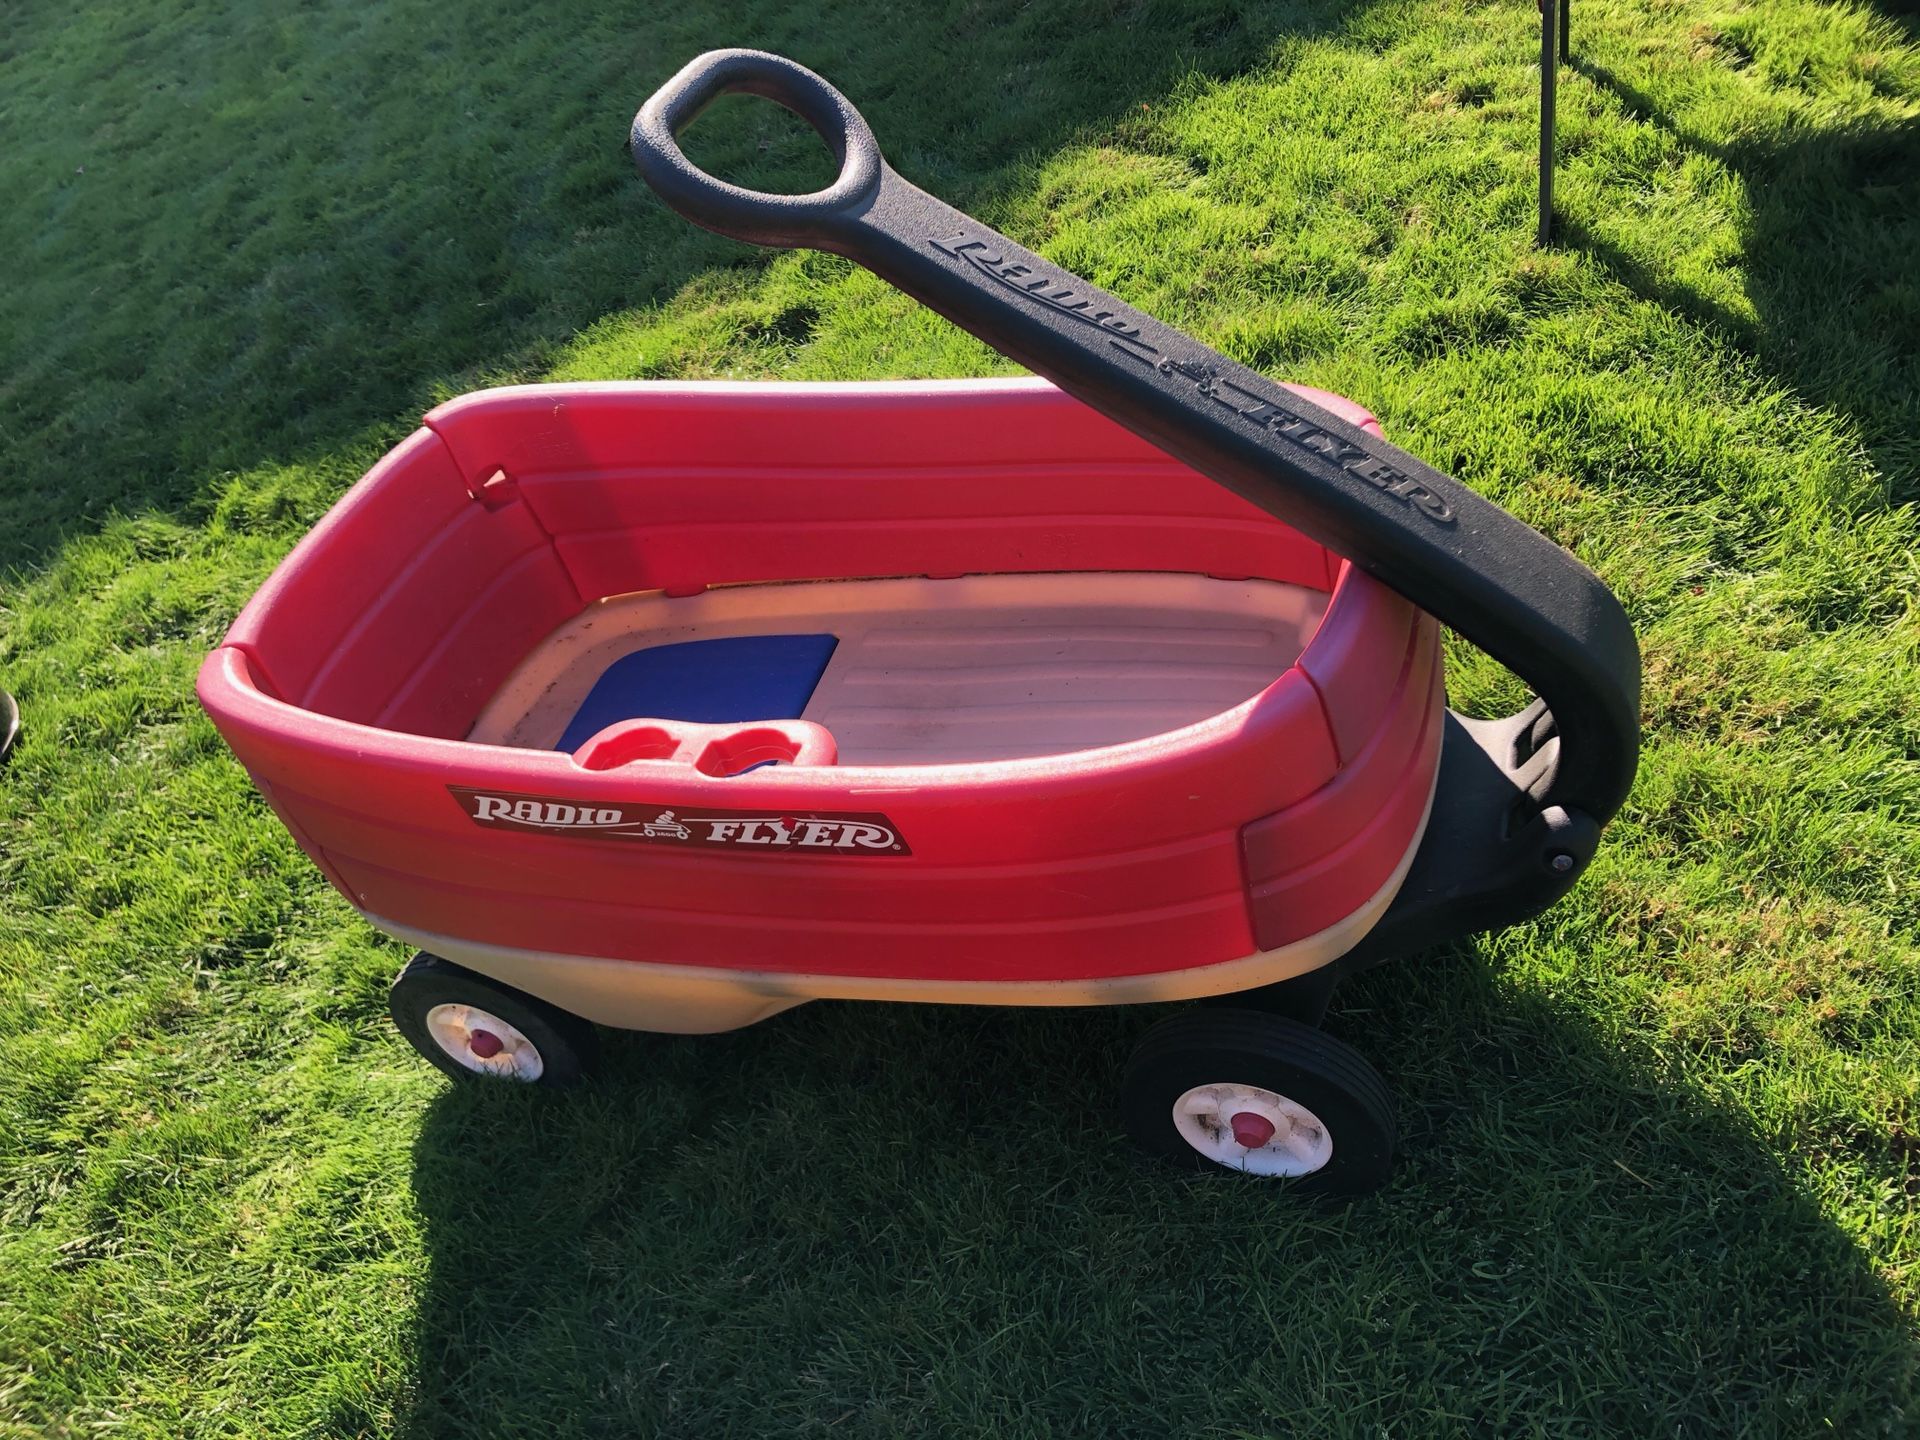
[{"x": 1550, "y": 40}]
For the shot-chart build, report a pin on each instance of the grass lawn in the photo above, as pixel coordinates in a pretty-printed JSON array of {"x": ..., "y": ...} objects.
[{"x": 1661, "y": 1147}]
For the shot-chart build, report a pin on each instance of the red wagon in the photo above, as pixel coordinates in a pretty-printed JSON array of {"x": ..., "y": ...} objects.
[{"x": 671, "y": 706}]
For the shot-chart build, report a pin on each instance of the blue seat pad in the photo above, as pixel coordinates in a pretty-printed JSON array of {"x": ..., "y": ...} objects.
[{"x": 738, "y": 678}]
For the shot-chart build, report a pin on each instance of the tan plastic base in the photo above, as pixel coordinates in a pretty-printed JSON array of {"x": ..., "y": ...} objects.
[{"x": 698, "y": 1000}]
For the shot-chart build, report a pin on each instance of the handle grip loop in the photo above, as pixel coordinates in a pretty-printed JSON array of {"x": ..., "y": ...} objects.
[{"x": 756, "y": 216}]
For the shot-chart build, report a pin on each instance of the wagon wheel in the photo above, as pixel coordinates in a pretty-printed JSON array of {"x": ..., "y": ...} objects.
[
  {"x": 1259, "y": 1094},
  {"x": 476, "y": 1028}
]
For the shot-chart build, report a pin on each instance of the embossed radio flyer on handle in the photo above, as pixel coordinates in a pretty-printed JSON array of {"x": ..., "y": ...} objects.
[{"x": 1059, "y": 295}]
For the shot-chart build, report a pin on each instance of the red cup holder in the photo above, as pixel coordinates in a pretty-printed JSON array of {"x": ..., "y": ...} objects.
[
  {"x": 623, "y": 744},
  {"x": 721, "y": 751},
  {"x": 743, "y": 749}
]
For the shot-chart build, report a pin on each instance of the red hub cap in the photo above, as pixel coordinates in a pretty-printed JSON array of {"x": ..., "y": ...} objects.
[
  {"x": 486, "y": 1045},
  {"x": 1251, "y": 1131}
]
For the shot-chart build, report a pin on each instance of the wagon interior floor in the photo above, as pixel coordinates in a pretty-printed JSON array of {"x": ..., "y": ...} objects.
[{"x": 916, "y": 671}]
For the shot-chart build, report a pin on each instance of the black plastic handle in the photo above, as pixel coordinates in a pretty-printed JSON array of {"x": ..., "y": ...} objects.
[{"x": 1501, "y": 584}]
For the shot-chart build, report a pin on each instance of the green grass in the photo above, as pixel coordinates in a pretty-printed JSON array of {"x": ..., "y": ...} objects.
[{"x": 1662, "y": 1146}]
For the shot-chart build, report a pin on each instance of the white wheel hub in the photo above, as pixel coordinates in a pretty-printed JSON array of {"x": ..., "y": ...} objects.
[
  {"x": 484, "y": 1043},
  {"x": 1246, "y": 1128}
]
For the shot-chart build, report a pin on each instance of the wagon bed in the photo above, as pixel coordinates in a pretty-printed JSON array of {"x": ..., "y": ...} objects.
[{"x": 1026, "y": 711}]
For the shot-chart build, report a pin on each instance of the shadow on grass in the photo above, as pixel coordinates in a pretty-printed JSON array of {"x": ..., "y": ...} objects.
[
  {"x": 918, "y": 1220},
  {"x": 1828, "y": 263},
  {"x": 1904, "y": 13},
  {"x": 332, "y": 225}
]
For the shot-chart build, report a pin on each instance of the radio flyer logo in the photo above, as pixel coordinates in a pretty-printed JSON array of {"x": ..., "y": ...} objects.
[
  {"x": 812, "y": 832},
  {"x": 1256, "y": 400}
]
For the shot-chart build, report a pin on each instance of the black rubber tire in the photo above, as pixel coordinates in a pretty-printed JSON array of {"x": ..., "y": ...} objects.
[
  {"x": 1208, "y": 1045},
  {"x": 567, "y": 1044}
]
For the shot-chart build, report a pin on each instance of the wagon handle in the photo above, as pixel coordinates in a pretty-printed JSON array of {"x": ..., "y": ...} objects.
[{"x": 1501, "y": 584}]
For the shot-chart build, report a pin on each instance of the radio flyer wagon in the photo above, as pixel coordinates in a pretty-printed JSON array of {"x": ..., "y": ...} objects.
[{"x": 672, "y": 706}]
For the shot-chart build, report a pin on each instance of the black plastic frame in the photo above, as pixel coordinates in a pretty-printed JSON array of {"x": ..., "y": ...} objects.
[{"x": 1521, "y": 801}]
